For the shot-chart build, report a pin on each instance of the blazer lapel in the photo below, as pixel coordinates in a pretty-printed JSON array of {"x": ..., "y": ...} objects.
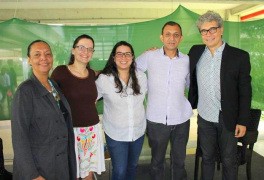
[{"x": 197, "y": 54}]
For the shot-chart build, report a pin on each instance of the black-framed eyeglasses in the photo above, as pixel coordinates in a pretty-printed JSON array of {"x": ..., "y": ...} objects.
[
  {"x": 212, "y": 30},
  {"x": 125, "y": 54},
  {"x": 82, "y": 48}
]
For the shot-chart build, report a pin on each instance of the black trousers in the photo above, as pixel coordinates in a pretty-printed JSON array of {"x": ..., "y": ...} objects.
[
  {"x": 159, "y": 136},
  {"x": 213, "y": 136}
]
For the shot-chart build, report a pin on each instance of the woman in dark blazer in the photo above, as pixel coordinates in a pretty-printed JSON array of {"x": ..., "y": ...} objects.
[{"x": 42, "y": 132}]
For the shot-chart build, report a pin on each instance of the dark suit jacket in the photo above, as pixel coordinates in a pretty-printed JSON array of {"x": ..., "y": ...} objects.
[
  {"x": 43, "y": 140},
  {"x": 235, "y": 84}
]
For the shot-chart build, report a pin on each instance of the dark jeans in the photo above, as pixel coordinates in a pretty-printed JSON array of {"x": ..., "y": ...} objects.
[
  {"x": 159, "y": 136},
  {"x": 213, "y": 136},
  {"x": 124, "y": 157}
]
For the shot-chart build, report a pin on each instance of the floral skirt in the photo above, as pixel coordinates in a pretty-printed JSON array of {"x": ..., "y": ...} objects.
[{"x": 89, "y": 148}]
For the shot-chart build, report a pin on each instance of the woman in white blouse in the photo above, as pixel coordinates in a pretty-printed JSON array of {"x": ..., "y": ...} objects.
[{"x": 123, "y": 90}]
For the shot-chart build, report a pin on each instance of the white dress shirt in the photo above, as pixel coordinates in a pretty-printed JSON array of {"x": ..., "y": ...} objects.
[
  {"x": 167, "y": 80},
  {"x": 124, "y": 113}
]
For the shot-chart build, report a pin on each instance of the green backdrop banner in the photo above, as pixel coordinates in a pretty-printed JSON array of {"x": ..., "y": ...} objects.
[{"x": 16, "y": 34}]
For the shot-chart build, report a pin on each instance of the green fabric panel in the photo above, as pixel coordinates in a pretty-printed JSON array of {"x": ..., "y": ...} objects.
[{"x": 16, "y": 34}]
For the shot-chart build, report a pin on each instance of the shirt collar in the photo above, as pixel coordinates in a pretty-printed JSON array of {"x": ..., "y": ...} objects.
[
  {"x": 219, "y": 49},
  {"x": 163, "y": 52}
]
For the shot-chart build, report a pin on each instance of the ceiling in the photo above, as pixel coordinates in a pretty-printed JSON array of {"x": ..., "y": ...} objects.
[{"x": 104, "y": 12}]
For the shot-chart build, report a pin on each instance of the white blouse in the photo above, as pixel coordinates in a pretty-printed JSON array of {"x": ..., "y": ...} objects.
[{"x": 124, "y": 116}]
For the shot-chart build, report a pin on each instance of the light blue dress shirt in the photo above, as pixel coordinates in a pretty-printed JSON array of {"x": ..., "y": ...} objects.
[
  {"x": 167, "y": 80},
  {"x": 208, "y": 79}
]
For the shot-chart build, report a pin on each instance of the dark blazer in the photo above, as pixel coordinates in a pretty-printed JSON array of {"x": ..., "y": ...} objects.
[
  {"x": 235, "y": 84},
  {"x": 43, "y": 139}
]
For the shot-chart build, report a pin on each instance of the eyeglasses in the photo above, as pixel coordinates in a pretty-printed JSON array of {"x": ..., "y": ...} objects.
[
  {"x": 175, "y": 35},
  {"x": 212, "y": 30},
  {"x": 125, "y": 54},
  {"x": 82, "y": 48}
]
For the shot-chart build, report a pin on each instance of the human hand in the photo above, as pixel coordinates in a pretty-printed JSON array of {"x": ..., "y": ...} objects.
[
  {"x": 39, "y": 178},
  {"x": 240, "y": 131},
  {"x": 152, "y": 49},
  {"x": 97, "y": 72}
]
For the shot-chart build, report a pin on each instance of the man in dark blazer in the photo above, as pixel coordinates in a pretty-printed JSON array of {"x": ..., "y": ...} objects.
[{"x": 220, "y": 89}]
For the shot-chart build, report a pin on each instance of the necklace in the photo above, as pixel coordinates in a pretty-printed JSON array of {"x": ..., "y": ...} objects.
[
  {"x": 54, "y": 92},
  {"x": 78, "y": 73}
]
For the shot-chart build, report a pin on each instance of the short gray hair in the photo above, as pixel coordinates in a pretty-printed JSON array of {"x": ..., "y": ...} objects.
[{"x": 209, "y": 16}]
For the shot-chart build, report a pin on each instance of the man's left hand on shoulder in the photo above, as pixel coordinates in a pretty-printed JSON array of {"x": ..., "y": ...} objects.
[{"x": 240, "y": 131}]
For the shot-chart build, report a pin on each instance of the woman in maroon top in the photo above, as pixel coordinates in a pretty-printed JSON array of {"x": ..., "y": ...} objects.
[{"x": 77, "y": 82}]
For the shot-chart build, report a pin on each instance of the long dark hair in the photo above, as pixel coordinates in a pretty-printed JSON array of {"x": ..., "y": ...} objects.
[
  {"x": 83, "y": 36},
  {"x": 111, "y": 69}
]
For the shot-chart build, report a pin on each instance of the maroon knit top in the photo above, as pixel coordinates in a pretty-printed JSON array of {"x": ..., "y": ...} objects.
[{"x": 81, "y": 94}]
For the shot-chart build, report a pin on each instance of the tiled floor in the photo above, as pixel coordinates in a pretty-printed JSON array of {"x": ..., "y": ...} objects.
[{"x": 5, "y": 134}]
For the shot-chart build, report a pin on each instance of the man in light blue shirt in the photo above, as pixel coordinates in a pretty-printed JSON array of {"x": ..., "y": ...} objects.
[
  {"x": 220, "y": 89},
  {"x": 168, "y": 110}
]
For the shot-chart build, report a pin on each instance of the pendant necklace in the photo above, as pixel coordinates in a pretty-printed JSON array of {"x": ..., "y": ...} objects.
[{"x": 54, "y": 93}]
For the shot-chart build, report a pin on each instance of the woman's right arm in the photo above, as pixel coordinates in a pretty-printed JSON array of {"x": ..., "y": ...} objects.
[{"x": 99, "y": 86}]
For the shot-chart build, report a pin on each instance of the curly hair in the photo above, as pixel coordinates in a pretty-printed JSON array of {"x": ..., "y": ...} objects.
[{"x": 209, "y": 16}]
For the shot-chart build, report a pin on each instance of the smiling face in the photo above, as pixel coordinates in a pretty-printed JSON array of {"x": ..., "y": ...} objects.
[
  {"x": 40, "y": 58},
  {"x": 83, "y": 51},
  {"x": 123, "y": 58},
  {"x": 212, "y": 40},
  {"x": 171, "y": 37}
]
